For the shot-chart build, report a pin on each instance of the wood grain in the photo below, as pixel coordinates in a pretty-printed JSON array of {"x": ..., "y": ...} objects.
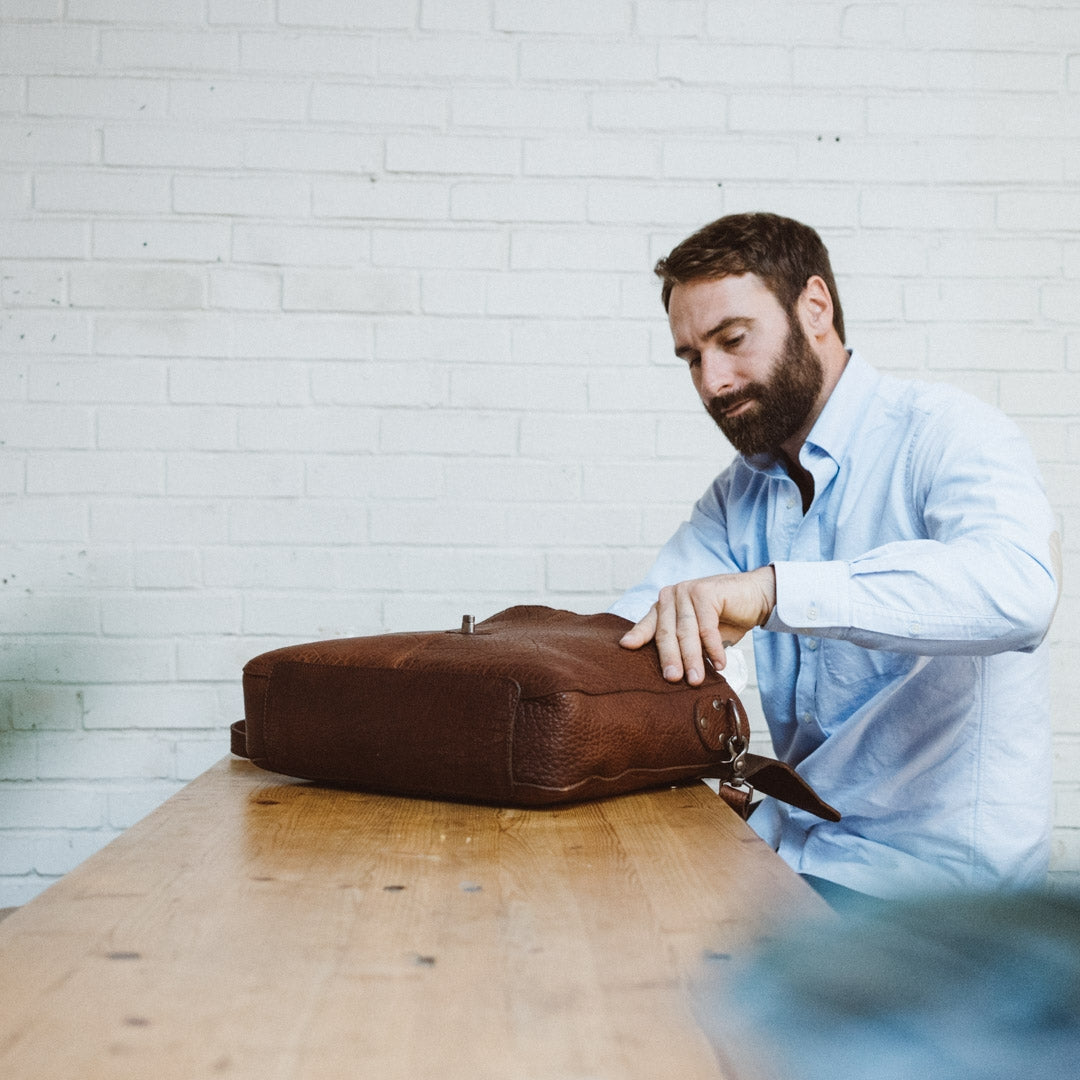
[{"x": 254, "y": 927}]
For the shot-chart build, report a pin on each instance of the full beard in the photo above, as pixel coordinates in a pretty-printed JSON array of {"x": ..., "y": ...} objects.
[{"x": 778, "y": 407}]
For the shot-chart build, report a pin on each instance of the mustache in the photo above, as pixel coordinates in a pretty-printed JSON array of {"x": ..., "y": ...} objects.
[{"x": 721, "y": 404}]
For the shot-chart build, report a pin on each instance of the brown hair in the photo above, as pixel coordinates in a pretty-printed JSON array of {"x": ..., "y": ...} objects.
[{"x": 784, "y": 253}]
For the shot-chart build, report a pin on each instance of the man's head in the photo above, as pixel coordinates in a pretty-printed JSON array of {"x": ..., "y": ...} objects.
[
  {"x": 784, "y": 253},
  {"x": 750, "y": 300}
]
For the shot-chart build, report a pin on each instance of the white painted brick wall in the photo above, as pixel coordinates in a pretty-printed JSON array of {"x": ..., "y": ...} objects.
[{"x": 322, "y": 317}]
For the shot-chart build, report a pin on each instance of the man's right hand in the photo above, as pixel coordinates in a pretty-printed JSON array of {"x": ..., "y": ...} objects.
[{"x": 698, "y": 619}]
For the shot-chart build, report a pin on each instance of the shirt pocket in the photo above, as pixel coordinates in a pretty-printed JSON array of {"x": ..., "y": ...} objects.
[
  {"x": 853, "y": 665},
  {"x": 849, "y": 676}
]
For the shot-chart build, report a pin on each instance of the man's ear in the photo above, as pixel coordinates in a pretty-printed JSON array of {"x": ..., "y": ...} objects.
[{"x": 815, "y": 308}]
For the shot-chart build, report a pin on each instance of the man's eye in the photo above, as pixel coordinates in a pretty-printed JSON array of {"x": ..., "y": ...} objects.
[{"x": 733, "y": 342}]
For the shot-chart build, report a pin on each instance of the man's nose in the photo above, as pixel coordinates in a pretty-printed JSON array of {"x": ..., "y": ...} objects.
[{"x": 717, "y": 374}]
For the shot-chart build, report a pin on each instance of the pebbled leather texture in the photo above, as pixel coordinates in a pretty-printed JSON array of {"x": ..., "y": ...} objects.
[{"x": 536, "y": 706}]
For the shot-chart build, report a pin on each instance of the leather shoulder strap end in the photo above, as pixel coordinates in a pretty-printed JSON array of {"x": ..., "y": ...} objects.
[
  {"x": 782, "y": 782},
  {"x": 238, "y": 738}
]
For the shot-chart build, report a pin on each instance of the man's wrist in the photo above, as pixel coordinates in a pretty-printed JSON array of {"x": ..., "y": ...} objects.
[{"x": 767, "y": 583}]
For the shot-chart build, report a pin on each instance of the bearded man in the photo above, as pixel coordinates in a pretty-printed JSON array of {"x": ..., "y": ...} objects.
[{"x": 890, "y": 544}]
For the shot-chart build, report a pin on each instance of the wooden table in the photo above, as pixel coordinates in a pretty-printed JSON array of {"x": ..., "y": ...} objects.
[{"x": 260, "y": 928}]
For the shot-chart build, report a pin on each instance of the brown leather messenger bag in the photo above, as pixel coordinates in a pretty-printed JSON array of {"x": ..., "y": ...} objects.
[{"x": 531, "y": 707}]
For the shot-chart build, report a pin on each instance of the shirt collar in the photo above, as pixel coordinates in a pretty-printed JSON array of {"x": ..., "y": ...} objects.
[{"x": 835, "y": 427}]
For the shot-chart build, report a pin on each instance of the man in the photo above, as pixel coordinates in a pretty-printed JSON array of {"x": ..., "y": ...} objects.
[{"x": 890, "y": 544}]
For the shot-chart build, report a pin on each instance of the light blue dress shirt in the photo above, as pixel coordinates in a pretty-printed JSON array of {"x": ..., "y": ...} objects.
[{"x": 903, "y": 669}]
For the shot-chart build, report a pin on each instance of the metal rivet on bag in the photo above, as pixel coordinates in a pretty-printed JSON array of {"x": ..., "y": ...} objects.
[
  {"x": 468, "y": 624},
  {"x": 716, "y": 703}
]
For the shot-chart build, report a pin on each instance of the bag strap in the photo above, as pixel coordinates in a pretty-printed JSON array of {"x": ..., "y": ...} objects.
[
  {"x": 238, "y": 738},
  {"x": 782, "y": 782}
]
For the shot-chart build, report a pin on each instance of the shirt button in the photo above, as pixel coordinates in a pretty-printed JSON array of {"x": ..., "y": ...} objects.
[
  {"x": 915, "y": 628},
  {"x": 790, "y": 504},
  {"x": 807, "y": 717},
  {"x": 811, "y": 613},
  {"x": 811, "y": 644}
]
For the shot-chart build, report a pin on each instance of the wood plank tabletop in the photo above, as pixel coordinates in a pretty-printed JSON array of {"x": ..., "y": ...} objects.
[{"x": 258, "y": 927}]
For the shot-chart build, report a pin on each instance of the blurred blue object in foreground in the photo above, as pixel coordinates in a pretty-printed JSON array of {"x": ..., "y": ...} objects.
[{"x": 983, "y": 987}]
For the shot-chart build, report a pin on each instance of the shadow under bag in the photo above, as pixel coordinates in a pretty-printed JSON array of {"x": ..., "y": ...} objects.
[{"x": 530, "y": 707}]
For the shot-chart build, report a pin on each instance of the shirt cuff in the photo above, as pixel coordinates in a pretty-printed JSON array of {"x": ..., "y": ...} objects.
[
  {"x": 811, "y": 596},
  {"x": 736, "y": 673}
]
